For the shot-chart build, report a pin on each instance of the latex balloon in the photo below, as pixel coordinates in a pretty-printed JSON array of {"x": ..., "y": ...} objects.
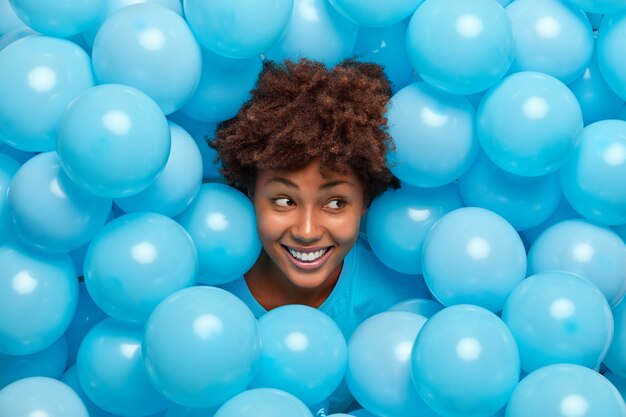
[
  {"x": 70, "y": 377},
  {"x": 43, "y": 73},
  {"x": 8, "y": 168},
  {"x": 19, "y": 155},
  {"x": 421, "y": 306},
  {"x": 8, "y": 18},
  {"x": 614, "y": 358},
  {"x": 264, "y": 402},
  {"x": 599, "y": 6},
  {"x": 374, "y": 13},
  {"x": 59, "y": 18},
  {"x": 609, "y": 49},
  {"x": 40, "y": 395},
  {"x": 15, "y": 35},
  {"x": 564, "y": 211},
  {"x": 180, "y": 411}
]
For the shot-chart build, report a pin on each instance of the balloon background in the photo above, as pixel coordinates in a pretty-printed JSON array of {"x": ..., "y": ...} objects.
[{"x": 509, "y": 120}]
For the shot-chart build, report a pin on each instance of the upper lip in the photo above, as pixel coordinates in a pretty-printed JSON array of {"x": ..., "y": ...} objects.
[{"x": 306, "y": 249}]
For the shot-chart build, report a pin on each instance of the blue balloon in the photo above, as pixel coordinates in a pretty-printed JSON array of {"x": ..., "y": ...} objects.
[
  {"x": 524, "y": 202},
  {"x": 264, "y": 402},
  {"x": 201, "y": 346},
  {"x": 59, "y": 18},
  {"x": 8, "y": 18},
  {"x": 8, "y": 168},
  {"x": 38, "y": 297},
  {"x": 373, "y": 13},
  {"x": 111, "y": 372},
  {"x": 459, "y": 46},
  {"x": 113, "y": 141},
  {"x": 551, "y": 38},
  {"x": 446, "y": 145},
  {"x": 565, "y": 390},
  {"x": 303, "y": 352},
  {"x": 598, "y": 6},
  {"x": 42, "y": 73},
  {"x": 49, "y": 211},
  {"x": 315, "y": 31},
  {"x": 421, "y": 306},
  {"x": 143, "y": 45},
  {"x": 465, "y": 362},
  {"x": 361, "y": 413},
  {"x": 614, "y": 359},
  {"x": 621, "y": 231},
  {"x": 611, "y": 49},
  {"x": 473, "y": 256},
  {"x": 618, "y": 381},
  {"x": 558, "y": 317},
  {"x": 136, "y": 261},
  {"x": 70, "y": 377},
  {"x": 177, "y": 185},
  {"x": 583, "y": 248},
  {"x": 222, "y": 224},
  {"x": 379, "y": 366},
  {"x": 19, "y": 155},
  {"x": 42, "y": 396},
  {"x": 16, "y": 34},
  {"x": 238, "y": 28},
  {"x": 529, "y": 124},
  {"x": 564, "y": 211},
  {"x": 180, "y": 411},
  {"x": 588, "y": 179},
  {"x": 49, "y": 362},
  {"x": 399, "y": 220}
]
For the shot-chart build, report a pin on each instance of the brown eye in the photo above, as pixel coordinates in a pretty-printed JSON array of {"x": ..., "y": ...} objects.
[
  {"x": 283, "y": 202},
  {"x": 336, "y": 203}
]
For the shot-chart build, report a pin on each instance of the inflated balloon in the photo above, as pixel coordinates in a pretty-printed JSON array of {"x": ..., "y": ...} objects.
[
  {"x": 42, "y": 396},
  {"x": 49, "y": 211},
  {"x": 315, "y": 31},
  {"x": 42, "y": 73},
  {"x": 222, "y": 224},
  {"x": 201, "y": 346},
  {"x": 614, "y": 359},
  {"x": 588, "y": 178},
  {"x": 38, "y": 297},
  {"x": 621, "y": 231},
  {"x": 421, "y": 306},
  {"x": 8, "y": 18},
  {"x": 461, "y": 47},
  {"x": 373, "y": 13},
  {"x": 465, "y": 362},
  {"x": 177, "y": 185},
  {"x": 399, "y": 220},
  {"x": 379, "y": 368},
  {"x": 110, "y": 370},
  {"x": 180, "y": 411},
  {"x": 113, "y": 141},
  {"x": 144, "y": 44},
  {"x": 303, "y": 352},
  {"x": 578, "y": 246},
  {"x": 59, "y": 18},
  {"x": 49, "y": 362},
  {"x": 524, "y": 202},
  {"x": 70, "y": 377},
  {"x": 551, "y": 38},
  {"x": 618, "y": 381},
  {"x": 361, "y": 413},
  {"x": 19, "y": 155},
  {"x": 565, "y": 390},
  {"x": 16, "y": 34},
  {"x": 446, "y": 145},
  {"x": 136, "y": 261},
  {"x": 8, "y": 168},
  {"x": 610, "y": 49},
  {"x": 238, "y": 28},
  {"x": 474, "y": 256},
  {"x": 224, "y": 86},
  {"x": 529, "y": 123},
  {"x": 264, "y": 402},
  {"x": 599, "y": 6},
  {"x": 564, "y": 211}
]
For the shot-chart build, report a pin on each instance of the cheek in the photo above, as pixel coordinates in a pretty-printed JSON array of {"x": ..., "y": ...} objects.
[
  {"x": 269, "y": 227},
  {"x": 345, "y": 230}
]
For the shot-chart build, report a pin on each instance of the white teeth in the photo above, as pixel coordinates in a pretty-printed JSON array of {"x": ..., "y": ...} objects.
[{"x": 307, "y": 256}]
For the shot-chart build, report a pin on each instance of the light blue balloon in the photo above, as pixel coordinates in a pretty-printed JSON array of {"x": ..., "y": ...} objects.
[
  {"x": 474, "y": 256},
  {"x": 222, "y": 224},
  {"x": 201, "y": 346},
  {"x": 524, "y": 202},
  {"x": 303, "y": 352},
  {"x": 180, "y": 411},
  {"x": 446, "y": 144},
  {"x": 237, "y": 28},
  {"x": 40, "y": 395},
  {"x": 618, "y": 381},
  {"x": 87, "y": 315},
  {"x": 373, "y": 13},
  {"x": 421, "y": 306},
  {"x": 529, "y": 123},
  {"x": 38, "y": 297},
  {"x": 15, "y": 35},
  {"x": 177, "y": 185},
  {"x": 399, "y": 220},
  {"x": 610, "y": 50},
  {"x": 386, "y": 47},
  {"x": 621, "y": 231},
  {"x": 264, "y": 402},
  {"x": 614, "y": 359},
  {"x": 49, "y": 362},
  {"x": 565, "y": 390},
  {"x": 588, "y": 179},
  {"x": 559, "y": 317},
  {"x": 598, "y": 6},
  {"x": 225, "y": 84},
  {"x": 379, "y": 366},
  {"x": 459, "y": 46},
  {"x": 49, "y": 211},
  {"x": 142, "y": 46},
  {"x": 564, "y": 211},
  {"x": 18, "y": 155},
  {"x": 59, "y": 18},
  {"x": 110, "y": 370},
  {"x": 583, "y": 248},
  {"x": 113, "y": 141},
  {"x": 8, "y": 18},
  {"x": 465, "y": 362},
  {"x": 8, "y": 168},
  {"x": 42, "y": 73},
  {"x": 70, "y": 377},
  {"x": 136, "y": 261},
  {"x": 315, "y": 31},
  {"x": 361, "y": 413}
]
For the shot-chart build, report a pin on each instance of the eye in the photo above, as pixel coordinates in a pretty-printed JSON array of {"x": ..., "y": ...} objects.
[
  {"x": 283, "y": 202},
  {"x": 337, "y": 203}
]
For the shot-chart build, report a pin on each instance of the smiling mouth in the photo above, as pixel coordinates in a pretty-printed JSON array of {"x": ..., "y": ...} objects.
[{"x": 308, "y": 257}]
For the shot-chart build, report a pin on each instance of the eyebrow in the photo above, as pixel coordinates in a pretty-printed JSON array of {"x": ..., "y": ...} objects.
[{"x": 291, "y": 184}]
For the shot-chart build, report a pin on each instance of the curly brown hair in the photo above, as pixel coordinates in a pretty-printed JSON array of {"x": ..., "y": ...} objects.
[{"x": 302, "y": 111}]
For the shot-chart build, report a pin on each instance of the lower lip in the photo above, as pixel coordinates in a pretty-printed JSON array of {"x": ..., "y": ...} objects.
[{"x": 308, "y": 266}]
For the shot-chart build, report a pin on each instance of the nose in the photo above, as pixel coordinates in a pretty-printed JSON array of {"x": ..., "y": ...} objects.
[{"x": 307, "y": 229}]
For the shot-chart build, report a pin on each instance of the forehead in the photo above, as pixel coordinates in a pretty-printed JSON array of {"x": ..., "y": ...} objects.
[{"x": 309, "y": 176}]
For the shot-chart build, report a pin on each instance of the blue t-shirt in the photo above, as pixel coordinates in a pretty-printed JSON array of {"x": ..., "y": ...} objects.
[{"x": 365, "y": 287}]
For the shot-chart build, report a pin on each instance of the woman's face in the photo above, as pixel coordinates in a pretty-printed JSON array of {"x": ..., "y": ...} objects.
[{"x": 307, "y": 223}]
